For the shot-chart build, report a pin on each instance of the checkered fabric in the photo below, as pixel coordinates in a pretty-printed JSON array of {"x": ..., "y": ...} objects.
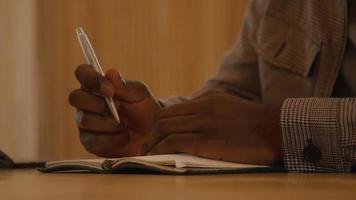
[
  {"x": 291, "y": 49},
  {"x": 330, "y": 123}
]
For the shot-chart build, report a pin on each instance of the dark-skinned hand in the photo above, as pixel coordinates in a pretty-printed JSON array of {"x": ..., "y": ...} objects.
[
  {"x": 100, "y": 134},
  {"x": 214, "y": 125},
  {"x": 221, "y": 126}
]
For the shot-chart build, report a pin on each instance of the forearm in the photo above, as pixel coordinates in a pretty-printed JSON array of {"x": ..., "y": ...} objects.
[{"x": 212, "y": 85}]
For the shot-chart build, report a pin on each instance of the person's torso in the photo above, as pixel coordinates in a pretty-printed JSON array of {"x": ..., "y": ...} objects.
[
  {"x": 302, "y": 50},
  {"x": 345, "y": 85}
]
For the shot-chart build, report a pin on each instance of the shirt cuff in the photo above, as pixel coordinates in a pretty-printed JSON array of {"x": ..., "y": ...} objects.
[{"x": 317, "y": 134}]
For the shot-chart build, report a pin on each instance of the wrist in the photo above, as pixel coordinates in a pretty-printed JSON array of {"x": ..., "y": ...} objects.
[{"x": 273, "y": 134}]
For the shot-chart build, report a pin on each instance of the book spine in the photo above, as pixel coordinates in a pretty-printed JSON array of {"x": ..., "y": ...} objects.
[{"x": 107, "y": 165}]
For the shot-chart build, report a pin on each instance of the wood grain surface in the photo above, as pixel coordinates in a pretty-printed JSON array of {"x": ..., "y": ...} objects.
[{"x": 31, "y": 184}]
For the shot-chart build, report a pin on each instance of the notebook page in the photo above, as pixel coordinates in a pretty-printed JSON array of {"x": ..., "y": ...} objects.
[
  {"x": 84, "y": 162},
  {"x": 163, "y": 159},
  {"x": 186, "y": 161},
  {"x": 193, "y": 161}
]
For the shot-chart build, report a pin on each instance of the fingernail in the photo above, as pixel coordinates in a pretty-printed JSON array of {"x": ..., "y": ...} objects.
[
  {"x": 79, "y": 117},
  {"x": 124, "y": 81},
  {"x": 119, "y": 75}
]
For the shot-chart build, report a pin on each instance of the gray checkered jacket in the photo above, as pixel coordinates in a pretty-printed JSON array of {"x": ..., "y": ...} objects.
[{"x": 289, "y": 53}]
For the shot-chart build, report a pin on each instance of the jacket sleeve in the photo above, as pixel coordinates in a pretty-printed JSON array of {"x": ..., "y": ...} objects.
[
  {"x": 319, "y": 134},
  {"x": 238, "y": 72}
]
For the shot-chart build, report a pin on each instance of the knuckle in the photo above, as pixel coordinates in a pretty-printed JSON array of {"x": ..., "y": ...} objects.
[
  {"x": 93, "y": 82},
  {"x": 73, "y": 97},
  {"x": 112, "y": 75},
  {"x": 88, "y": 77},
  {"x": 80, "y": 69},
  {"x": 96, "y": 80}
]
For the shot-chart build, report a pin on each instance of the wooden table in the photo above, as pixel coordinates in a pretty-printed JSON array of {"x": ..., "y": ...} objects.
[{"x": 30, "y": 184}]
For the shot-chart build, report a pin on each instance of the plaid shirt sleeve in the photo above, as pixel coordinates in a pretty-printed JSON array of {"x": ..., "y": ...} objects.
[{"x": 319, "y": 134}]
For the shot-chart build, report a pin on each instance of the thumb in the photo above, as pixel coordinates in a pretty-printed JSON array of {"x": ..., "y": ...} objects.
[{"x": 130, "y": 91}]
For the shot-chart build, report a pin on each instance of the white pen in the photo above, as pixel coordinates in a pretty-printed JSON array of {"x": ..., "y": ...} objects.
[{"x": 92, "y": 60}]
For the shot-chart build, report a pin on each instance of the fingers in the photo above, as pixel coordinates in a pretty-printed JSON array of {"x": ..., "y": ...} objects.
[
  {"x": 129, "y": 91},
  {"x": 98, "y": 123},
  {"x": 181, "y": 124},
  {"x": 84, "y": 100},
  {"x": 175, "y": 119},
  {"x": 178, "y": 125},
  {"x": 181, "y": 109},
  {"x": 116, "y": 80},
  {"x": 93, "y": 81},
  {"x": 167, "y": 126},
  {"x": 112, "y": 84},
  {"x": 105, "y": 145},
  {"x": 179, "y": 143}
]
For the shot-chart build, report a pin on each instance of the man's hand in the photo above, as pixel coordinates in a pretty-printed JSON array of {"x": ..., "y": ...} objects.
[
  {"x": 219, "y": 126},
  {"x": 99, "y": 132}
]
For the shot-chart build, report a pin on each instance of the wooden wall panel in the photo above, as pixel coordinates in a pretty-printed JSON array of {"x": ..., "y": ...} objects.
[
  {"x": 172, "y": 45},
  {"x": 18, "y": 89}
]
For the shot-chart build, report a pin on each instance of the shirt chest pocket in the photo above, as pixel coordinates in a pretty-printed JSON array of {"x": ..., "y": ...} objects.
[{"x": 286, "y": 46}]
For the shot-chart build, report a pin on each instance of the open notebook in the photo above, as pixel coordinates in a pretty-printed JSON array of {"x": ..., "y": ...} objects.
[{"x": 165, "y": 164}]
